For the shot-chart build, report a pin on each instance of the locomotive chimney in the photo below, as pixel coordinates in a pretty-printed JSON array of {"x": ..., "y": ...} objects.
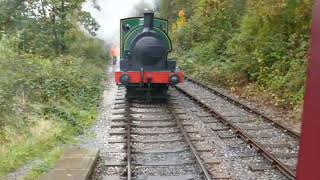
[{"x": 148, "y": 21}]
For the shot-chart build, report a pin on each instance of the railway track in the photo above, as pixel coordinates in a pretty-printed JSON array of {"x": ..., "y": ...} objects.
[
  {"x": 245, "y": 107},
  {"x": 174, "y": 139},
  {"x": 273, "y": 141},
  {"x": 158, "y": 143}
]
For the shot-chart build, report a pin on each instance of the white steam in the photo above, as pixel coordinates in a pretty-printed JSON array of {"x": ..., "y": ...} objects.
[{"x": 109, "y": 12}]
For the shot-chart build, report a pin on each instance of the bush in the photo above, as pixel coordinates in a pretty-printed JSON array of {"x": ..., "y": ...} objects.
[{"x": 61, "y": 91}]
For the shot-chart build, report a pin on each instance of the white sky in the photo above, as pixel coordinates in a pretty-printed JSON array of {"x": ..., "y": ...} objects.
[{"x": 110, "y": 14}]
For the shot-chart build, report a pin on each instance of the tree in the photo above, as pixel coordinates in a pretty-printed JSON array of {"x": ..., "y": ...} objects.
[
  {"x": 10, "y": 14},
  {"x": 170, "y": 9},
  {"x": 42, "y": 25}
]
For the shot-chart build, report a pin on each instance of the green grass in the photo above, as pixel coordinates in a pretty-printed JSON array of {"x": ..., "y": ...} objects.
[
  {"x": 20, "y": 153},
  {"x": 46, "y": 145}
]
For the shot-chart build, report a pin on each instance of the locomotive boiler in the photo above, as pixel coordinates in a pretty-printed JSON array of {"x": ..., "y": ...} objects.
[{"x": 145, "y": 69}]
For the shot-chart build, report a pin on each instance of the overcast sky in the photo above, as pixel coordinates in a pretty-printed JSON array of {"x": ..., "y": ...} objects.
[{"x": 109, "y": 15}]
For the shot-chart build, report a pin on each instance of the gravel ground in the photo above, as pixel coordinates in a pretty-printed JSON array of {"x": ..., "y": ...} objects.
[{"x": 102, "y": 128}]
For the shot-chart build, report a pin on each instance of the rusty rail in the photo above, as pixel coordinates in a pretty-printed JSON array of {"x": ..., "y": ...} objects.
[
  {"x": 204, "y": 170},
  {"x": 128, "y": 136}
]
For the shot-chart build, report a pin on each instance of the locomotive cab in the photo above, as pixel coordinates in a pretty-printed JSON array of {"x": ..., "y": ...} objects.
[{"x": 144, "y": 65}]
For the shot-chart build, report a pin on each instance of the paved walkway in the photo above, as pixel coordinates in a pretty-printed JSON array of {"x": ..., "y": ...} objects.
[{"x": 75, "y": 164}]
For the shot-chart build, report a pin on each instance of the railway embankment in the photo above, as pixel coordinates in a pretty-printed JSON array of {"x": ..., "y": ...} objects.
[{"x": 45, "y": 102}]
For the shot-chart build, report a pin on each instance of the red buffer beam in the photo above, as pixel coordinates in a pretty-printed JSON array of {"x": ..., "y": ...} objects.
[{"x": 309, "y": 156}]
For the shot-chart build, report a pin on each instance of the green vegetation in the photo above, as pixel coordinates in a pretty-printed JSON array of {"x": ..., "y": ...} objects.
[
  {"x": 50, "y": 79},
  {"x": 251, "y": 46}
]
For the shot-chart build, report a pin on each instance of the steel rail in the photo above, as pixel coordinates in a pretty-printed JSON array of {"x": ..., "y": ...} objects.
[
  {"x": 243, "y": 135},
  {"x": 128, "y": 136},
  {"x": 245, "y": 107},
  {"x": 204, "y": 170}
]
